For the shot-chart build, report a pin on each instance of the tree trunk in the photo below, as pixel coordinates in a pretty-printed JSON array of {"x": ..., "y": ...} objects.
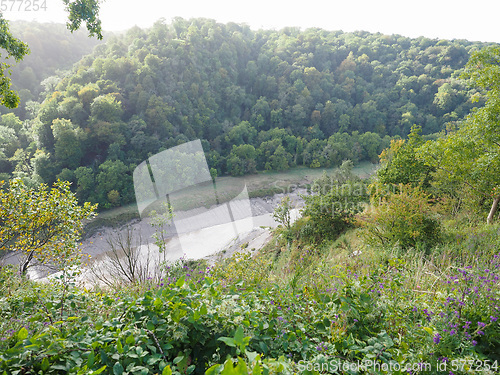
[
  {"x": 493, "y": 210},
  {"x": 24, "y": 265}
]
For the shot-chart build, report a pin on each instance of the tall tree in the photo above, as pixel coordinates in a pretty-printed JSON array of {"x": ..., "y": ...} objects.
[{"x": 471, "y": 154}]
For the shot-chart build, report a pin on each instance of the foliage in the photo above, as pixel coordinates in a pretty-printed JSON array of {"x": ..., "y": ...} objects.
[
  {"x": 160, "y": 221},
  {"x": 407, "y": 218},
  {"x": 242, "y": 315},
  {"x": 86, "y": 11},
  {"x": 401, "y": 165},
  {"x": 80, "y": 10},
  {"x": 42, "y": 225},
  {"x": 283, "y": 98},
  {"x": 251, "y": 363},
  {"x": 470, "y": 155},
  {"x": 17, "y": 49},
  {"x": 281, "y": 212},
  {"x": 53, "y": 48},
  {"x": 333, "y": 204}
]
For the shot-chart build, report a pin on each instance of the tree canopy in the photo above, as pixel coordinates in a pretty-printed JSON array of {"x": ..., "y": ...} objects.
[{"x": 259, "y": 100}]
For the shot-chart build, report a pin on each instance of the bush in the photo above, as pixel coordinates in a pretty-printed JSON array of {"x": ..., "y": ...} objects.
[
  {"x": 334, "y": 203},
  {"x": 43, "y": 225},
  {"x": 407, "y": 218}
]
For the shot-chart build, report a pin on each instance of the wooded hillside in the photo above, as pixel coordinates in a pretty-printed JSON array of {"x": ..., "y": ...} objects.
[{"x": 258, "y": 100}]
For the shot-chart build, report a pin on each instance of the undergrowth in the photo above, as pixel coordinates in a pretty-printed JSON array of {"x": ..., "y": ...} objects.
[{"x": 295, "y": 307}]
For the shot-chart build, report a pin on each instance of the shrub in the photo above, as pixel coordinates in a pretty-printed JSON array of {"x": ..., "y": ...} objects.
[
  {"x": 334, "y": 203},
  {"x": 407, "y": 218}
]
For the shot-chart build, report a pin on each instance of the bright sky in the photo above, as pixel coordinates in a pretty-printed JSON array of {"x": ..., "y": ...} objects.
[{"x": 449, "y": 19}]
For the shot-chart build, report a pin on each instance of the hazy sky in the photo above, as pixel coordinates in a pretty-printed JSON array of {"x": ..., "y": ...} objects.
[{"x": 473, "y": 20}]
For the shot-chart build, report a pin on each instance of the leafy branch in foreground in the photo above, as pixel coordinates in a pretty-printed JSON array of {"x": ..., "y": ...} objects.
[
  {"x": 17, "y": 49},
  {"x": 79, "y": 10},
  {"x": 86, "y": 11}
]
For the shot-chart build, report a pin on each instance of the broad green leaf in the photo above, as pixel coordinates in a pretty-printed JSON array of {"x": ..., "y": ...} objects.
[
  {"x": 238, "y": 336},
  {"x": 45, "y": 364},
  {"x": 228, "y": 341},
  {"x": 178, "y": 359},
  {"x": 119, "y": 346},
  {"x": 130, "y": 340},
  {"x": 117, "y": 369},
  {"x": 213, "y": 370},
  {"x": 180, "y": 282},
  {"x": 91, "y": 358},
  {"x": 22, "y": 334},
  {"x": 98, "y": 371}
]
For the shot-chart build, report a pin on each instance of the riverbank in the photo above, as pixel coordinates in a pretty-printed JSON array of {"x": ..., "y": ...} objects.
[
  {"x": 201, "y": 240},
  {"x": 211, "y": 238}
]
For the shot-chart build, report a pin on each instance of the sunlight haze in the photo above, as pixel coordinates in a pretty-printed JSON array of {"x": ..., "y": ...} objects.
[{"x": 432, "y": 19}]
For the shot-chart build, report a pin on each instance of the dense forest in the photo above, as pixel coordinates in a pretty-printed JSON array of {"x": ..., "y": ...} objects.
[{"x": 259, "y": 100}]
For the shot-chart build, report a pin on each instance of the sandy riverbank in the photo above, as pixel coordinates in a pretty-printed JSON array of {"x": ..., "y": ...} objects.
[
  {"x": 206, "y": 240},
  {"x": 213, "y": 242}
]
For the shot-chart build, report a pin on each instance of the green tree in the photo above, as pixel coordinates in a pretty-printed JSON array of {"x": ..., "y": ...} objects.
[
  {"x": 334, "y": 202},
  {"x": 401, "y": 163},
  {"x": 85, "y": 178},
  {"x": 68, "y": 149},
  {"x": 8, "y": 141},
  {"x": 43, "y": 225},
  {"x": 406, "y": 218},
  {"x": 280, "y": 160},
  {"x": 370, "y": 142},
  {"x": 471, "y": 154},
  {"x": 241, "y": 134},
  {"x": 113, "y": 175},
  {"x": 106, "y": 108},
  {"x": 242, "y": 160},
  {"x": 282, "y": 212}
]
